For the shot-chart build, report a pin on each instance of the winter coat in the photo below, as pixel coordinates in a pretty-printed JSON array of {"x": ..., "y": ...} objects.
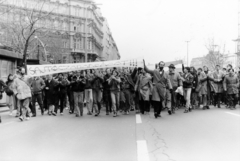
[
  {"x": 114, "y": 85},
  {"x": 202, "y": 77},
  {"x": 21, "y": 89},
  {"x": 160, "y": 83},
  {"x": 78, "y": 85},
  {"x": 52, "y": 91},
  {"x": 128, "y": 81},
  {"x": 37, "y": 85},
  {"x": 106, "y": 85},
  {"x": 144, "y": 86},
  {"x": 63, "y": 86},
  {"x": 195, "y": 82},
  {"x": 175, "y": 79},
  {"x": 231, "y": 84},
  {"x": 97, "y": 83},
  {"x": 188, "y": 83},
  {"x": 89, "y": 79},
  {"x": 218, "y": 81}
]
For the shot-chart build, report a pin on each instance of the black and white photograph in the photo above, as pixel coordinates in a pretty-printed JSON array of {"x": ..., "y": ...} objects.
[{"x": 119, "y": 80}]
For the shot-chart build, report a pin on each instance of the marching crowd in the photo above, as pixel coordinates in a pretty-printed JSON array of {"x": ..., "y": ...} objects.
[{"x": 122, "y": 91}]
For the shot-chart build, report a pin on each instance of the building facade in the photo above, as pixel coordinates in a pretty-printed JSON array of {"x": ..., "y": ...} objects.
[
  {"x": 110, "y": 50},
  {"x": 75, "y": 28}
]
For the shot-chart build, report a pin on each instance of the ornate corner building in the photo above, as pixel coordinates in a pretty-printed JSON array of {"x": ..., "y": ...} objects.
[{"x": 77, "y": 31}]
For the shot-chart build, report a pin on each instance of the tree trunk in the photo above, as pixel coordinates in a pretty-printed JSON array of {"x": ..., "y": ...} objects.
[{"x": 24, "y": 63}]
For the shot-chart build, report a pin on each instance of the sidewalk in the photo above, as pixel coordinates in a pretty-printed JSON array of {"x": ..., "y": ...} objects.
[{"x": 4, "y": 109}]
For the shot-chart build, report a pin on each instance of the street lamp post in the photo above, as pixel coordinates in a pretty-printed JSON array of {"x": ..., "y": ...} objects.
[
  {"x": 187, "y": 51},
  {"x": 42, "y": 46}
]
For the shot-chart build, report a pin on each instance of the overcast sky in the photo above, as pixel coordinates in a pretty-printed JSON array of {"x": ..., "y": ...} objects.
[{"x": 158, "y": 29}]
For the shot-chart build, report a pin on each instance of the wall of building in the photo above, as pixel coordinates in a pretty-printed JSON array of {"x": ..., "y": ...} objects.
[
  {"x": 110, "y": 50},
  {"x": 79, "y": 20}
]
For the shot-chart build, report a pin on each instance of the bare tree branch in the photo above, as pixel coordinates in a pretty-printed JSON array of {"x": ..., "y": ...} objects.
[
  {"x": 21, "y": 32},
  {"x": 214, "y": 56}
]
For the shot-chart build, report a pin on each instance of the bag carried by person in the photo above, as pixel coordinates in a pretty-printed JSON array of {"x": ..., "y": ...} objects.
[
  {"x": 8, "y": 91},
  {"x": 199, "y": 87}
]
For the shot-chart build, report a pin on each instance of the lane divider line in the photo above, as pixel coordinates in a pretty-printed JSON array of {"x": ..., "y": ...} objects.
[
  {"x": 138, "y": 119},
  {"x": 233, "y": 114},
  {"x": 142, "y": 150}
]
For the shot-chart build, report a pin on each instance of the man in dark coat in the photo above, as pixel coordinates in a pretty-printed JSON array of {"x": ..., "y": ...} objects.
[
  {"x": 106, "y": 92},
  {"x": 51, "y": 91},
  {"x": 62, "y": 93},
  {"x": 160, "y": 83},
  {"x": 70, "y": 93}
]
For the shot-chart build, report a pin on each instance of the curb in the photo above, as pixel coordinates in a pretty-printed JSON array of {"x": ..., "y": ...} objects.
[{"x": 4, "y": 109}]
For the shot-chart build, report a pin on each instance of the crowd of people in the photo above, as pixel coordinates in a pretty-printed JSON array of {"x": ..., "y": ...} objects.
[{"x": 121, "y": 91}]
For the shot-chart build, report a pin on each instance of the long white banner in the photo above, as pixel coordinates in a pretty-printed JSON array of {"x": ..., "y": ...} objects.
[{"x": 41, "y": 70}]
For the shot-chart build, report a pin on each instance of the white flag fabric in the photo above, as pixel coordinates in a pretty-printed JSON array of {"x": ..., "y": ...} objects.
[
  {"x": 41, "y": 70},
  {"x": 180, "y": 90}
]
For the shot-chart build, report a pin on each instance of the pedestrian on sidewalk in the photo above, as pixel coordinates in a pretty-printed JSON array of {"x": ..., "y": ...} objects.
[
  {"x": 2, "y": 87},
  {"x": 11, "y": 100}
]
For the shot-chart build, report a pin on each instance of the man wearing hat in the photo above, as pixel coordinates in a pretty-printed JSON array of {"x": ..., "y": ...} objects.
[{"x": 176, "y": 82}]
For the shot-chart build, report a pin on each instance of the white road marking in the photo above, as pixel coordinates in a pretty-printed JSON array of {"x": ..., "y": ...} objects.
[
  {"x": 138, "y": 119},
  {"x": 142, "y": 150},
  {"x": 233, "y": 114}
]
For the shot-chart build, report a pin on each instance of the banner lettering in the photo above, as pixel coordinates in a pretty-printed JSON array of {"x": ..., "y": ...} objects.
[{"x": 41, "y": 70}]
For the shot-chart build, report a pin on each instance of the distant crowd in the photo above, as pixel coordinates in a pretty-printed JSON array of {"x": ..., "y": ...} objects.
[{"x": 120, "y": 91}]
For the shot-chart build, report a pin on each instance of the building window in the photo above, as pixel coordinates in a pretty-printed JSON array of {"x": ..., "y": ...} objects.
[
  {"x": 74, "y": 43},
  {"x": 93, "y": 46},
  {"x": 65, "y": 26},
  {"x": 56, "y": 24},
  {"x": 90, "y": 29},
  {"x": 89, "y": 43},
  {"x": 74, "y": 60},
  {"x": 75, "y": 28},
  {"x": 60, "y": 25},
  {"x": 64, "y": 59}
]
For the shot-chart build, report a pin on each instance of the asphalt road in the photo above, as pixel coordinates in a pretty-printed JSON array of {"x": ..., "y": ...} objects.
[{"x": 209, "y": 135}]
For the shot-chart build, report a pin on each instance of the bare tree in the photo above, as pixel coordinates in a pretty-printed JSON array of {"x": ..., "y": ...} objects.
[
  {"x": 22, "y": 30},
  {"x": 4, "y": 6},
  {"x": 216, "y": 54}
]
